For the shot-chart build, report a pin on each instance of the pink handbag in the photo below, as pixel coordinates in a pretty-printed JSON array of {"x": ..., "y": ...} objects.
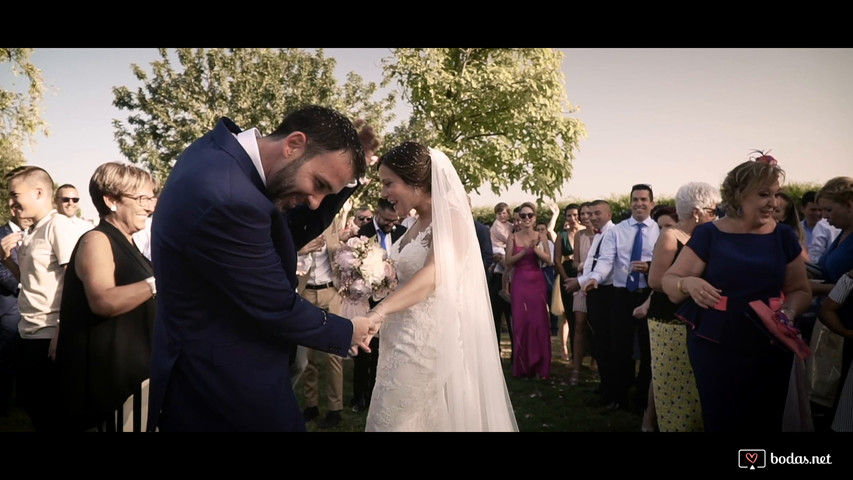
[{"x": 785, "y": 334}]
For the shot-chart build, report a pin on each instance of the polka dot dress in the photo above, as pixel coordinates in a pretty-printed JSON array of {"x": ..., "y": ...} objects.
[{"x": 676, "y": 397}]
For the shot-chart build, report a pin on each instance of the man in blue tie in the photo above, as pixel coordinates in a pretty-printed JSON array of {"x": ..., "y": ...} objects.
[{"x": 626, "y": 253}]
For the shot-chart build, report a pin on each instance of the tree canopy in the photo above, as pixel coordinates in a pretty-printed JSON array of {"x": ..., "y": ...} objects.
[
  {"x": 252, "y": 86},
  {"x": 501, "y": 114},
  {"x": 20, "y": 114}
]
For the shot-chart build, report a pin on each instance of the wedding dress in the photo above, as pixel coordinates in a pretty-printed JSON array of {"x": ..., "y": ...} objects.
[{"x": 439, "y": 367}]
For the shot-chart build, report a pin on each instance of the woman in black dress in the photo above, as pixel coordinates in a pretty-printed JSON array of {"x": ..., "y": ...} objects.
[{"x": 108, "y": 308}]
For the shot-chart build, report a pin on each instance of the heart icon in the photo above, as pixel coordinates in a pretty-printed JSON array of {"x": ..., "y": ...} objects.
[{"x": 752, "y": 457}]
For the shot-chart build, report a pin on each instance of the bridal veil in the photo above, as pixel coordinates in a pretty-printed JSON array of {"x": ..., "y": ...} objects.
[{"x": 469, "y": 366}]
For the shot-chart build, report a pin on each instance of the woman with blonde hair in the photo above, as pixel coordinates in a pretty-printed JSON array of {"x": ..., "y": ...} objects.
[
  {"x": 108, "y": 308},
  {"x": 727, "y": 266}
]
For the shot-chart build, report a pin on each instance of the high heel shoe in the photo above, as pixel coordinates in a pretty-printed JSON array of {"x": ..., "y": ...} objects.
[
  {"x": 575, "y": 378},
  {"x": 565, "y": 353}
]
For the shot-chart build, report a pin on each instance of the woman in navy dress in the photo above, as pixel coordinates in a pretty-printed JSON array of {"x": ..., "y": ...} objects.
[{"x": 741, "y": 373}]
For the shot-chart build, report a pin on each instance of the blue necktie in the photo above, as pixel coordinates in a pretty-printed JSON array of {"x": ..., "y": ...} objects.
[{"x": 633, "y": 282}]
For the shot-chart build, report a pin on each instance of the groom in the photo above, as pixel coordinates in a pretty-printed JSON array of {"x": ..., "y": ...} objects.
[{"x": 224, "y": 256}]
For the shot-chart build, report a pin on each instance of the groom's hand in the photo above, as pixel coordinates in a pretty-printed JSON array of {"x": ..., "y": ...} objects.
[{"x": 361, "y": 333}]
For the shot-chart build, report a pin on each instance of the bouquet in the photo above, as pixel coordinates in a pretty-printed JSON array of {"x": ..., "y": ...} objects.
[{"x": 363, "y": 270}]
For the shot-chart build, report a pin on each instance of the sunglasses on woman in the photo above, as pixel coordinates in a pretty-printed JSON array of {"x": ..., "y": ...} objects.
[{"x": 526, "y": 215}]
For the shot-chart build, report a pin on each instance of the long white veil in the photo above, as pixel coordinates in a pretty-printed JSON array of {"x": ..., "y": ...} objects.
[{"x": 469, "y": 365}]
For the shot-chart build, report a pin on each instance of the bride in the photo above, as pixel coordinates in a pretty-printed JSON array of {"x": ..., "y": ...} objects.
[{"x": 439, "y": 366}]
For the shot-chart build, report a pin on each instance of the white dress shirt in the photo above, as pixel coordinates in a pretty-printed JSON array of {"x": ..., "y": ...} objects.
[
  {"x": 822, "y": 236},
  {"x": 591, "y": 257},
  {"x": 615, "y": 256}
]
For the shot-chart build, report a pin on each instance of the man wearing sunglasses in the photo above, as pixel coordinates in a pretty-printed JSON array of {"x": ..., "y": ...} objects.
[{"x": 67, "y": 201}]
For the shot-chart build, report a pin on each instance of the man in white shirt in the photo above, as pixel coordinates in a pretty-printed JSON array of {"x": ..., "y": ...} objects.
[
  {"x": 626, "y": 254},
  {"x": 599, "y": 299},
  {"x": 315, "y": 259},
  {"x": 42, "y": 257},
  {"x": 819, "y": 233},
  {"x": 67, "y": 201}
]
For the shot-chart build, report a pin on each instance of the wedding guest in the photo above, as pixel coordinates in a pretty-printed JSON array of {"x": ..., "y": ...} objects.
[
  {"x": 819, "y": 233},
  {"x": 673, "y": 403},
  {"x": 317, "y": 286},
  {"x": 529, "y": 290},
  {"x": 67, "y": 201},
  {"x": 42, "y": 255},
  {"x": 363, "y": 215},
  {"x": 580, "y": 331},
  {"x": 563, "y": 264},
  {"x": 9, "y": 314},
  {"x": 550, "y": 273},
  {"x": 234, "y": 211},
  {"x": 386, "y": 229},
  {"x": 830, "y": 316},
  {"x": 108, "y": 308},
  {"x": 501, "y": 310},
  {"x": 598, "y": 300},
  {"x": 836, "y": 200},
  {"x": 484, "y": 237},
  {"x": 786, "y": 212},
  {"x": 742, "y": 375},
  {"x": 624, "y": 256}
]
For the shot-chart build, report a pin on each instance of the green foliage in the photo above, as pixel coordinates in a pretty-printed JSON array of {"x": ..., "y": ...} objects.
[
  {"x": 500, "y": 114},
  {"x": 20, "y": 114},
  {"x": 252, "y": 86}
]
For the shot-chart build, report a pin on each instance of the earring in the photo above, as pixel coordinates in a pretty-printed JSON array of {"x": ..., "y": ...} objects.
[
  {"x": 113, "y": 208},
  {"x": 739, "y": 211},
  {"x": 696, "y": 218}
]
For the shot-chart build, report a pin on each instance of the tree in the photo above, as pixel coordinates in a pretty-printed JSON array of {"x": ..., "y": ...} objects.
[
  {"x": 20, "y": 115},
  {"x": 253, "y": 87},
  {"x": 500, "y": 114}
]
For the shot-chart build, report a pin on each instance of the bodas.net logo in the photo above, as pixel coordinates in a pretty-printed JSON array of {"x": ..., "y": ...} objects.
[{"x": 751, "y": 458}]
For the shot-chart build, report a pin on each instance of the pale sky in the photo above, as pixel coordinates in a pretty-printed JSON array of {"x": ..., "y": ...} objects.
[{"x": 659, "y": 116}]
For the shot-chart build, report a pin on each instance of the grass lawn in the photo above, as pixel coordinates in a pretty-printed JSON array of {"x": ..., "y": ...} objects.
[{"x": 540, "y": 405}]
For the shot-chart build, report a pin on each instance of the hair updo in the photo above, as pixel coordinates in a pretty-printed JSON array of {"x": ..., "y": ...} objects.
[
  {"x": 411, "y": 162},
  {"x": 748, "y": 177}
]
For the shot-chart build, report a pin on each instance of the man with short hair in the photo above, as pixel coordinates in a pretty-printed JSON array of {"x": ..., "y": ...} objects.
[
  {"x": 386, "y": 230},
  {"x": 819, "y": 233},
  {"x": 43, "y": 255},
  {"x": 67, "y": 200},
  {"x": 599, "y": 299},
  {"x": 236, "y": 208},
  {"x": 626, "y": 254},
  {"x": 363, "y": 215}
]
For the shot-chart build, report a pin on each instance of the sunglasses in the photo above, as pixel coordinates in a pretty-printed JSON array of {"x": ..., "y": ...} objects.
[
  {"x": 526, "y": 215},
  {"x": 364, "y": 219},
  {"x": 70, "y": 199}
]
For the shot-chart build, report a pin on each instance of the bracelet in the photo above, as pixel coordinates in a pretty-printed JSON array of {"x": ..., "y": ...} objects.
[
  {"x": 152, "y": 285},
  {"x": 381, "y": 315},
  {"x": 681, "y": 286}
]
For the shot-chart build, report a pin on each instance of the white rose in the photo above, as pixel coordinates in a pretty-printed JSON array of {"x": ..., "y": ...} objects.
[{"x": 373, "y": 266}]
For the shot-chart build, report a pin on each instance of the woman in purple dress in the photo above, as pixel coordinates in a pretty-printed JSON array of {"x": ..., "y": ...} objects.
[
  {"x": 529, "y": 294},
  {"x": 741, "y": 372}
]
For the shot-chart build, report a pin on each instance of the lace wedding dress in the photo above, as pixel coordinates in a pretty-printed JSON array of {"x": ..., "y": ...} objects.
[
  {"x": 406, "y": 396},
  {"x": 439, "y": 366}
]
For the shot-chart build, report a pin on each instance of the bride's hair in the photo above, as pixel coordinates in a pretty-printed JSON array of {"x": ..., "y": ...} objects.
[{"x": 411, "y": 162}]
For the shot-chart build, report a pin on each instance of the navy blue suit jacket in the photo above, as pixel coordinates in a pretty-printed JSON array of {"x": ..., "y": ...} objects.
[
  {"x": 8, "y": 281},
  {"x": 228, "y": 313}
]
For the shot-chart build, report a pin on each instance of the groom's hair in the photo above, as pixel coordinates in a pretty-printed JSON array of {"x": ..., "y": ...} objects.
[{"x": 327, "y": 130}]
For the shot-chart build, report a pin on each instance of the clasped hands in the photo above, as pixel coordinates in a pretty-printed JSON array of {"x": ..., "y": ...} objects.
[
  {"x": 364, "y": 328},
  {"x": 8, "y": 243}
]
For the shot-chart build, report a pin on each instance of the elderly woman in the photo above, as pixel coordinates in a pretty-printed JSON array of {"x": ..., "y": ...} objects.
[
  {"x": 673, "y": 402},
  {"x": 741, "y": 371},
  {"x": 108, "y": 308}
]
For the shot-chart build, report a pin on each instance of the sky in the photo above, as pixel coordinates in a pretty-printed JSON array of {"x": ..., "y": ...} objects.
[{"x": 663, "y": 116}]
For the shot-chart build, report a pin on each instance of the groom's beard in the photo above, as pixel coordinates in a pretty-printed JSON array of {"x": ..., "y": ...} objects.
[{"x": 281, "y": 188}]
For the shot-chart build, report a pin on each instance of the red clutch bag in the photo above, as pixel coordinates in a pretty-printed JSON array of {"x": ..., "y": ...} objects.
[{"x": 787, "y": 335}]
